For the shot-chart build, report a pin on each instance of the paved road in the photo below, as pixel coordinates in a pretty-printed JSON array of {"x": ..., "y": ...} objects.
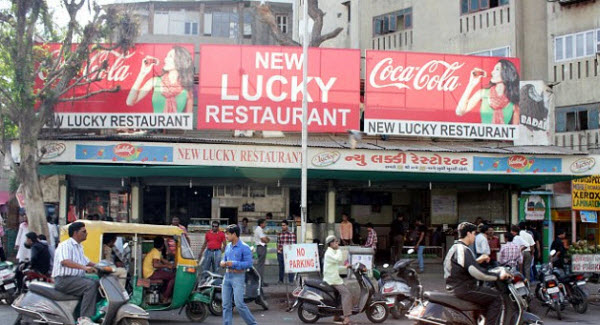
[{"x": 278, "y": 316}]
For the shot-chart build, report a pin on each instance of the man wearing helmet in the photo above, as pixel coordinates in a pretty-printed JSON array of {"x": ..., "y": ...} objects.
[
  {"x": 333, "y": 259},
  {"x": 462, "y": 270}
]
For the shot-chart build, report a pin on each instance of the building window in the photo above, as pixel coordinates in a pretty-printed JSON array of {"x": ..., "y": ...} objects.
[
  {"x": 501, "y": 51},
  {"x": 282, "y": 23},
  {"x": 578, "y": 118},
  {"x": 191, "y": 28},
  {"x": 224, "y": 24},
  {"x": 577, "y": 45},
  {"x": 392, "y": 22},
  {"x": 470, "y": 6}
]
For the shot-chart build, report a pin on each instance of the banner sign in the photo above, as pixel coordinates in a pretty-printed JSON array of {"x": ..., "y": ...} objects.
[
  {"x": 589, "y": 216},
  {"x": 301, "y": 258},
  {"x": 252, "y": 155},
  {"x": 260, "y": 88},
  {"x": 584, "y": 263},
  {"x": 586, "y": 193},
  {"x": 154, "y": 90},
  {"x": 534, "y": 207},
  {"x": 441, "y": 95},
  {"x": 536, "y": 107}
]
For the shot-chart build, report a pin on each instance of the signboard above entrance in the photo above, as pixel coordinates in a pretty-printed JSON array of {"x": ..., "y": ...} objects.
[
  {"x": 586, "y": 193},
  {"x": 260, "y": 88},
  {"x": 441, "y": 95}
]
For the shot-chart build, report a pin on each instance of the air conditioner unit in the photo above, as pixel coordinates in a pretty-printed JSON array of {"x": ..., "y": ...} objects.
[{"x": 569, "y": 2}]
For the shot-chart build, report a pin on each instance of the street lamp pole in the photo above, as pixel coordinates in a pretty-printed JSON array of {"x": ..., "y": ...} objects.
[{"x": 304, "y": 175}]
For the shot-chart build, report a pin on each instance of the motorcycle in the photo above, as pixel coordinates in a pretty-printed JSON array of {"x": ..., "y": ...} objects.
[
  {"x": 549, "y": 290},
  {"x": 399, "y": 288},
  {"x": 209, "y": 287},
  {"x": 317, "y": 299},
  {"x": 8, "y": 286},
  {"x": 25, "y": 275},
  {"x": 445, "y": 308},
  {"x": 43, "y": 304},
  {"x": 574, "y": 285},
  {"x": 254, "y": 292}
]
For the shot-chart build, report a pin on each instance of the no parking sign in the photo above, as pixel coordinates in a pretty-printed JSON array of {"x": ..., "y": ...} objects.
[{"x": 299, "y": 258}]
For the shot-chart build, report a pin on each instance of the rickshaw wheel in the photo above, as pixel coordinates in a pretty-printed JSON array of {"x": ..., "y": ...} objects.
[{"x": 196, "y": 311}]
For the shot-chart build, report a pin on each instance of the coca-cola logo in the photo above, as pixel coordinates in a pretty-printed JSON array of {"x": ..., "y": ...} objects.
[
  {"x": 324, "y": 159},
  {"x": 582, "y": 165},
  {"x": 53, "y": 150},
  {"x": 433, "y": 75},
  {"x": 125, "y": 150},
  {"x": 519, "y": 162},
  {"x": 116, "y": 70}
]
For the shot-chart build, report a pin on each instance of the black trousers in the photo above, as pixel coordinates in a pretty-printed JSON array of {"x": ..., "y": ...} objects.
[
  {"x": 2, "y": 255},
  {"x": 490, "y": 299}
]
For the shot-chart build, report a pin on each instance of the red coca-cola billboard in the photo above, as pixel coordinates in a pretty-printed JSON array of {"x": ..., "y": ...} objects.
[
  {"x": 441, "y": 95},
  {"x": 260, "y": 88},
  {"x": 156, "y": 89}
]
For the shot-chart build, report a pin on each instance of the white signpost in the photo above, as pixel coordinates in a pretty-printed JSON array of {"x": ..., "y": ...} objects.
[{"x": 583, "y": 263}]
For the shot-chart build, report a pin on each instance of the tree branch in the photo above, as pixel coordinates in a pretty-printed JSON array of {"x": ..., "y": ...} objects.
[
  {"x": 93, "y": 93},
  {"x": 265, "y": 15},
  {"x": 319, "y": 40}
]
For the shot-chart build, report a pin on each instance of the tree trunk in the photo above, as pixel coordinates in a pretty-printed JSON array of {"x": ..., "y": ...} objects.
[{"x": 28, "y": 174}]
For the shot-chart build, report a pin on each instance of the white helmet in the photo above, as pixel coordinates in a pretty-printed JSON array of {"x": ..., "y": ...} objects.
[{"x": 330, "y": 239}]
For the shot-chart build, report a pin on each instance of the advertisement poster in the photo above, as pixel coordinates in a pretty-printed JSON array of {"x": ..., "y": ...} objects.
[
  {"x": 260, "y": 88},
  {"x": 518, "y": 164},
  {"x": 534, "y": 207},
  {"x": 153, "y": 83},
  {"x": 441, "y": 95},
  {"x": 536, "y": 123},
  {"x": 586, "y": 193},
  {"x": 444, "y": 206},
  {"x": 589, "y": 216}
]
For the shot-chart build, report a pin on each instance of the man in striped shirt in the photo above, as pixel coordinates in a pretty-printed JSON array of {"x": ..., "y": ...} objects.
[
  {"x": 285, "y": 237},
  {"x": 70, "y": 266},
  {"x": 371, "y": 237}
]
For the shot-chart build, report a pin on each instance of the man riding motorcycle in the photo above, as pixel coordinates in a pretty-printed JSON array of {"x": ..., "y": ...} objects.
[
  {"x": 462, "y": 271},
  {"x": 331, "y": 275}
]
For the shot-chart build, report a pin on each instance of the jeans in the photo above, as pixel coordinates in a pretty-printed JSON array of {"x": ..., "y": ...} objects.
[
  {"x": 527, "y": 265},
  {"x": 235, "y": 284},
  {"x": 420, "y": 257},
  {"x": 211, "y": 261},
  {"x": 82, "y": 287},
  {"x": 282, "y": 269}
]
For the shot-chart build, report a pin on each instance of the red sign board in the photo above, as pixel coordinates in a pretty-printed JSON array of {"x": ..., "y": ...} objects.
[
  {"x": 441, "y": 95},
  {"x": 156, "y": 89},
  {"x": 260, "y": 88}
]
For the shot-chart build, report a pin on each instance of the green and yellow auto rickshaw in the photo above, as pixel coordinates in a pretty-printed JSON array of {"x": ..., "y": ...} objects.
[{"x": 133, "y": 242}]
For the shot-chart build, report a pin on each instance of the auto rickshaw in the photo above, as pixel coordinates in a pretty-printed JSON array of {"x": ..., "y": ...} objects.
[{"x": 133, "y": 242}]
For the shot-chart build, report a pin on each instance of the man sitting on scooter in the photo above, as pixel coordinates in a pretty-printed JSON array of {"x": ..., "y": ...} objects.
[
  {"x": 462, "y": 270},
  {"x": 68, "y": 271},
  {"x": 333, "y": 259}
]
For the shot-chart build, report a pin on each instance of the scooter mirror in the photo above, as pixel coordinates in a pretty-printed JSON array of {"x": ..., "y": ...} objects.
[
  {"x": 552, "y": 252},
  {"x": 411, "y": 251},
  {"x": 386, "y": 265}
]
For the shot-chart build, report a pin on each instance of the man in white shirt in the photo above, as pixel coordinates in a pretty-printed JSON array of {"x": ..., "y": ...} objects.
[
  {"x": 260, "y": 241},
  {"x": 529, "y": 244},
  {"x": 332, "y": 260},
  {"x": 482, "y": 246}
]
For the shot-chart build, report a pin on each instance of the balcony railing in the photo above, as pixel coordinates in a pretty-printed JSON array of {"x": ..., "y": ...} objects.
[
  {"x": 400, "y": 40},
  {"x": 578, "y": 140},
  {"x": 575, "y": 70},
  {"x": 482, "y": 20}
]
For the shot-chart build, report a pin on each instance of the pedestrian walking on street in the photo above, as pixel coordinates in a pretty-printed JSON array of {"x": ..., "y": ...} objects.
[
  {"x": 213, "y": 247},
  {"x": 510, "y": 254},
  {"x": 527, "y": 253},
  {"x": 260, "y": 241},
  {"x": 237, "y": 258},
  {"x": 420, "y": 244},
  {"x": 23, "y": 254},
  {"x": 285, "y": 237},
  {"x": 397, "y": 235}
]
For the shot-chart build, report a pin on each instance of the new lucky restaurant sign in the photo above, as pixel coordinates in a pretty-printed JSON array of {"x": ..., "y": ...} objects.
[
  {"x": 155, "y": 85},
  {"x": 441, "y": 95},
  {"x": 260, "y": 88}
]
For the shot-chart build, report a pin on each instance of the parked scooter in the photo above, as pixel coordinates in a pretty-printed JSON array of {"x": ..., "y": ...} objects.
[
  {"x": 445, "y": 308},
  {"x": 8, "y": 286},
  {"x": 399, "y": 286},
  {"x": 254, "y": 292},
  {"x": 549, "y": 291},
  {"x": 574, "y": 285},
  {"x": 318, "y": 299},
  {"x": 209, "y": 287},
  {"x": 43, "y": 304}
]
